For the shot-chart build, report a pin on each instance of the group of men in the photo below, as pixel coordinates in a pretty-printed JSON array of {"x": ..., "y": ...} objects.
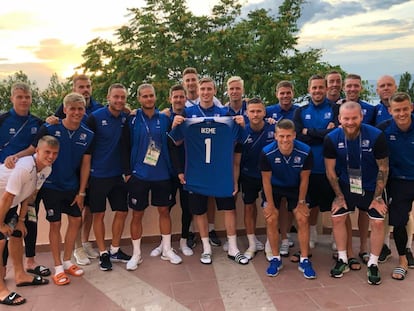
[{"x": 326, "y": 155}]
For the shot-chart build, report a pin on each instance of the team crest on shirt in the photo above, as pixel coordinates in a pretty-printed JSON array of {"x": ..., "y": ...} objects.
[
  {"x": 392, "y": 137},
  {"x": 297, "y": 160},
  {"x": 278, "y": 160},
  {"x": 57, "y": 134},
  {"x": 270, "y": 134},
  {"x": 307, "y": 116},
  {"x": 104, "y": 123},
  {"x": 327, "y": 115},
  {"x": 341, "y": 145},
  {"x": 33, "y": 130},
  {"x": 82, "y": 136},
  {"x": 364, "y": 112},
  {"x": 12, "y": 131},
  {"x": 365, "y": 143},
  {"x": 274, "y": 116}
]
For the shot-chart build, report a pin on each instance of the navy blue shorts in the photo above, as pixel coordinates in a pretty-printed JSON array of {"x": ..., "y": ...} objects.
[
  {"x": 360, "y": 201},
  {"x": 57, "y": 202},
  {"x": 289, "y": 193},
  {"x": 401, "y": 198},
  {"x": 250, "y": 188},
  {"x": 198, "y": 203},
  {"x": 113, "y": 188},
  {"x": 138, "y": 193},
  {"x": 320, "y": 192}
]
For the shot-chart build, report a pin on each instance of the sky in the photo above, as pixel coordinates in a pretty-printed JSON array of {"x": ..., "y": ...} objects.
[{"x": 367, "y": 37}]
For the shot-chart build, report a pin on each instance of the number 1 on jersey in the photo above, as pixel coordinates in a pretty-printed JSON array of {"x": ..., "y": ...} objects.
[{"x": 207, "y": 142}]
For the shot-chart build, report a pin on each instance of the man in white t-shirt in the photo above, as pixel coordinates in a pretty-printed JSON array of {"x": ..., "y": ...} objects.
[{"x": 19, "y": 186}]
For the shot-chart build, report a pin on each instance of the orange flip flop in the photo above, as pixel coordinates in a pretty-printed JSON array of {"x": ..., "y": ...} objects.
[
  {"x": 61, "y": 279},
  {"x": 74, "y": 270}
]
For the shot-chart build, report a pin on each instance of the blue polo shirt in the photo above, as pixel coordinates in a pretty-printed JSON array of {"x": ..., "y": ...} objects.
[
  {"x": 106, "y": 146},
  {"x": 382, "y": 113},
  {"x": 252, "y": 147},
  {"x": 316, "y": 119},
  {"x": 286, "y": 170},
  {"x": 73, "y": 145},
  {"x": 277, "y": 113},
  {"x": 16, "y": 132},
  {"x": 360, "y": 153},
  {"x": 401, "y": 145},
  {"x": 141, "y": 130},
  {"x": 197, "y": 111}
]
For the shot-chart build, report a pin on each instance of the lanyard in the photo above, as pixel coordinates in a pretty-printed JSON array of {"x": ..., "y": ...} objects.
[
  {"x": 146, "y": 126},
  {"x": 360, "y": 152},
  {"x": 201, "y": 111}
]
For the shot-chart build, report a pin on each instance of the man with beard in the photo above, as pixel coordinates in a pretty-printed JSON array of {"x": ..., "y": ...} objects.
[{"x": 356, "y": 159}]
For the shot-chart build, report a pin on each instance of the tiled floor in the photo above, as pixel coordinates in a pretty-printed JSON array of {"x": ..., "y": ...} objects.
[{"x": 158, "y": 285}]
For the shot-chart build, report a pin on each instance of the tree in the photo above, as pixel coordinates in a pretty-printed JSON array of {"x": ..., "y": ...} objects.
[
  {"x": 404, "y": 85},
  {"x": 164, "y": 37},
  {"x": 52, "y": 96}
]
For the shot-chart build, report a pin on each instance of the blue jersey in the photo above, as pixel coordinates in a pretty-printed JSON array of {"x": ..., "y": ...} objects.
[
  {"x": 232, "y": 112},
  {"x": 16, "y": 132},
  {"x": 286, "y": 170},
  {"x": 106, "y": 148},
  {"x": 144, "y": 131},
  {"x": 401, "y": 145},
  {"x": 73, "y": 145},
  {"x": 277, "y": 113},
  {"x": 252, "y": 147},
  {"x": 382, "y": 113},
  {"x": 360, "y": 153},
  {"x": 209, "y": 149},
  {"x": 316, "y": 119}
]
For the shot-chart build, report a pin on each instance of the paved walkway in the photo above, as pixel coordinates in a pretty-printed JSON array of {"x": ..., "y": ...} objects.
[{"x": 158, "y": 285}]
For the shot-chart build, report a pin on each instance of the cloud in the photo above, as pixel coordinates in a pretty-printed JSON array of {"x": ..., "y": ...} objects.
[
  {"x": 17, "y": 21},
  {"x": 382, "y": 4},
  {"x": 38, "y": 72}
]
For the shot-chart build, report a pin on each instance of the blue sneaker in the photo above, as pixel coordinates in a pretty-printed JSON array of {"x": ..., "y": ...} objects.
[
  {"x": 274, "y": 266},
  {"x": 306, "y": 268}
]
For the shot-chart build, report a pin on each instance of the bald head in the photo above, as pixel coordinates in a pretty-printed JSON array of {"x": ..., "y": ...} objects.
[{"x": 386, "y": 87}]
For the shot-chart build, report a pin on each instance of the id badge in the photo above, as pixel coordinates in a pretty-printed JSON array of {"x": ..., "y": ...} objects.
[
  {"x": 152, "y": 155},
  {"x": 355, "y": 181},
  {"x": 31, "y": 213}
]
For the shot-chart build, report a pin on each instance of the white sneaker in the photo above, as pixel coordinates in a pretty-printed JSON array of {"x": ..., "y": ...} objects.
[
  {"x": 206, "y": 259},
  {"x": 259, "y": 245},
  {"x": 171, "y": 256},
  {"x": 284, "y": 249},
  {"x": 250, "y": 253},
  {"x": 90, "y": 251},
  {"x": 156, "y": 251},
  {"x": 81, "y": 257},
  {"x": 313, "y": 238},
  {"x": 291, "y": 243},
  {"x": 226, "y": 246},
  {"x": 133, "y": 263},
  {"x": 185, "y": 249}
]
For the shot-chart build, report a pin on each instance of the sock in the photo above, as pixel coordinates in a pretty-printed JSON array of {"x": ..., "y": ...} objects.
[
  {"x": 285, "y": 242},
  {"x": 233, "y": 249},
  {"x": 210, "y": 227},
  {"x": 59, "y": 269},
  {"x": 104, "y": 252},
  {"x": 136, "y": 248},
  {"x": 183, "y": 243},
  {"x": 302, "y": 259},
  {"x": 114, "y": 249},
  {"x": 277, "y": 257},
  {"x": 206, "y": 246},
  {"x": 313, "y": 231},
  {"x": 373, "y": 260},
  {"x": 166, "y": 242},
  {"x": 67, "y": 264},
  {"x": 252, "y": 241},
  {"x": 267, "y": 246},
  {"x": 342, "y": 255}
]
